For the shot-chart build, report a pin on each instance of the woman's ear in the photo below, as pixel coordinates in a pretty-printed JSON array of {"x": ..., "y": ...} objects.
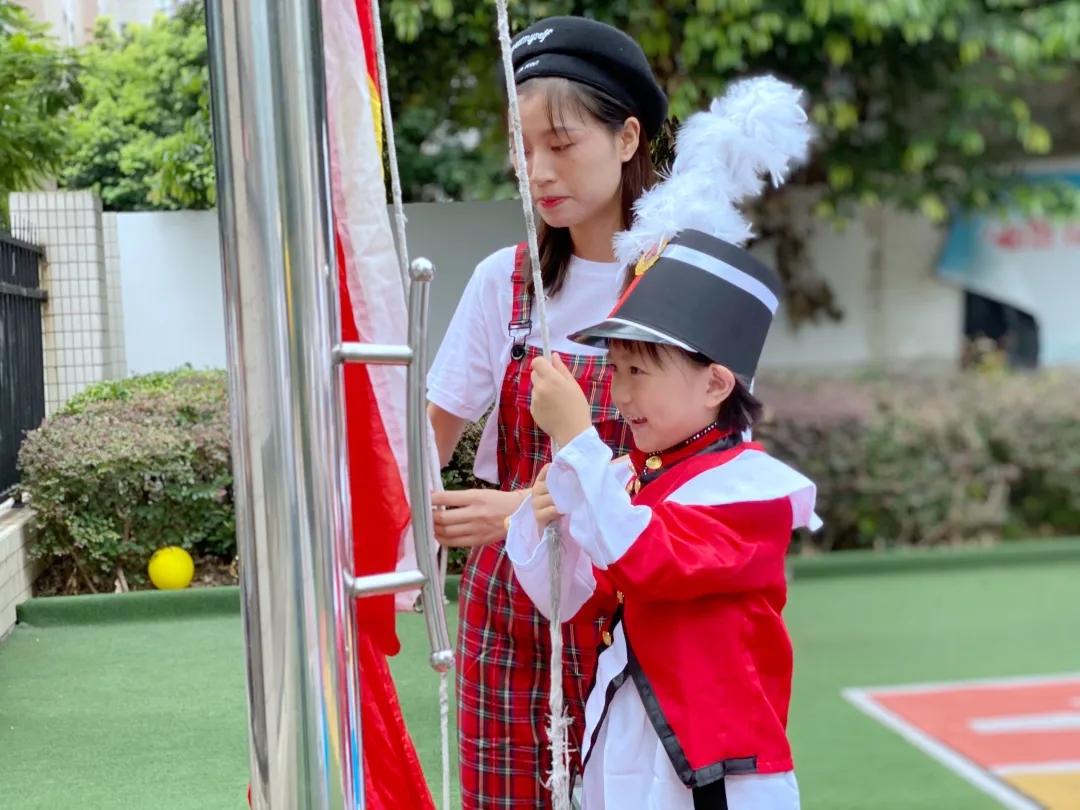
[
  {"x": 629, "y": 138},
  {"x": 721, "y": 383}
]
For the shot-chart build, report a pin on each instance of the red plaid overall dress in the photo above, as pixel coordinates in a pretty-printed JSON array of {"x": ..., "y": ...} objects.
[{"x": 504, "y": 645}]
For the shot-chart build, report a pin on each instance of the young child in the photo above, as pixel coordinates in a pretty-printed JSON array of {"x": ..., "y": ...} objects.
[{"x": 682, "y": 548}]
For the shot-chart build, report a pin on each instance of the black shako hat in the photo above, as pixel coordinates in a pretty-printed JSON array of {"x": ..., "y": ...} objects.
[
  {"x": 595, "y": 54},
  {"x": 701, "y": 294}
]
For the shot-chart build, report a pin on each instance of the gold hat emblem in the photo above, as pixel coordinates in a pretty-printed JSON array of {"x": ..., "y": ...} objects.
[{"x": 649, "y": 259}]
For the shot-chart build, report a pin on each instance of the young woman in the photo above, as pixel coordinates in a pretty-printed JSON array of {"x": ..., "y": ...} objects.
[{"x": 589, "y": 106}]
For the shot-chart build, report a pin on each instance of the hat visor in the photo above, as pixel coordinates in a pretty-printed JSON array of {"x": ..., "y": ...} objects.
[{"x": 619, "y": 329}]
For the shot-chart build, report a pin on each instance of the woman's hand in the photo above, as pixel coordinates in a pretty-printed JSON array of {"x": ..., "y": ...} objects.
[
  {"x": 543, "y": 506},
  {"x": 558, "y": 404},
  {"x": 473, "y": 517}
]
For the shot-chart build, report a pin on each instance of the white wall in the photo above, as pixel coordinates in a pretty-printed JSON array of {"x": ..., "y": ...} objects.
[
  {"x": 902, "y": 314},
  {"x": 896, "y": 311},
  {"x": 18, "y": 571},
  {"x": 456, "y": 237},
  {"x": 170, "y": 270}
]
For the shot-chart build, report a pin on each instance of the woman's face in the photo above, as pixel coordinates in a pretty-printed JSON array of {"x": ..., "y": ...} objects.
[{"x": 575, "y": 162}]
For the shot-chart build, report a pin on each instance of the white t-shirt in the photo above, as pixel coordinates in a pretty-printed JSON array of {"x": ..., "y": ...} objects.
[{"x": 467, "y": 373}]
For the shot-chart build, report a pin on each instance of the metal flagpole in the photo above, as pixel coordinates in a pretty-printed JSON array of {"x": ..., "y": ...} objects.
[{"x": 270, "y": 137}]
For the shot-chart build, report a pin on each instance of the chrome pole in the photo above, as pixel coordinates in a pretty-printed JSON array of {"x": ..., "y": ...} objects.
[{"x": 269, "y": 120}]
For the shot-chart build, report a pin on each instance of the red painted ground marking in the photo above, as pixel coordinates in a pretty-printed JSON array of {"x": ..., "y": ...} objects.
[{"x": 1016, "y": 739}]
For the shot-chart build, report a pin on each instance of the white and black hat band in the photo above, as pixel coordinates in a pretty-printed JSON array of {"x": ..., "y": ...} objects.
[{"x": 722, "y": 270}]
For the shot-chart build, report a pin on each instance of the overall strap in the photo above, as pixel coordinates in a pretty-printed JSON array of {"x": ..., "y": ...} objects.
[{"x": 521, "y": 307}]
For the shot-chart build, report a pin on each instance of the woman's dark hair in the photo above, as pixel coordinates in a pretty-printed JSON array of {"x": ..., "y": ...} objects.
[
  {"x": 563, "y": 97},
  {"x": 739, "y": 412}
]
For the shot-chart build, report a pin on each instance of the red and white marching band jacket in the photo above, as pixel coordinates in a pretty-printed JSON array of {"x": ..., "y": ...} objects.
[{"x": 693, "y": 683}]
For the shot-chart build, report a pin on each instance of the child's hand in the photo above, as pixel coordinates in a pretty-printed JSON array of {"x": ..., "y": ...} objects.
[
  {"x": 543, "y": 506},
  {"x": 558, "y": 404}
]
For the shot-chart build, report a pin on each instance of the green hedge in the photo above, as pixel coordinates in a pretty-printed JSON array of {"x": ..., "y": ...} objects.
[
  {"x": 920, "y": 460},
  {"x": 204, "y": 382},
  {"x": 129, "y": 466},
  {"x": 932, "y": 460}
]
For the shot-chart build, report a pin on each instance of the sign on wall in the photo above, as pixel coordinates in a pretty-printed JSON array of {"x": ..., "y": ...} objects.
[{"x": 1032, "y": 264}]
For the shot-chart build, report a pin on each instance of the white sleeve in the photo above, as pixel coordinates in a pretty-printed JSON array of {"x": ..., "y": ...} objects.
[
  {"x": 587, "y": 487},
  {"x": 463, "y": 379},
  {"x": 529, "y": 553}
]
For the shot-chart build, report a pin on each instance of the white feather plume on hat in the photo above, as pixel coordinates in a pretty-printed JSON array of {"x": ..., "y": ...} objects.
[{"x": 757, "y": 127}]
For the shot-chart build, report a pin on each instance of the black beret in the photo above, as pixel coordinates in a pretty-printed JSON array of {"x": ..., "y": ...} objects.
[{"x": 595, "y": 54}]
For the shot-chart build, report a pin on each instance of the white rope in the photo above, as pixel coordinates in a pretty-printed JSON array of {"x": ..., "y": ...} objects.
[
  {"x": 442, "y": 557},
  {"x": 523, "y": 176},
  {"x": 403, "y": 258},
  {"x": 444, "y": 702},
  {"x": 391, "y": 146},
  {"x": 559, "y": 780}
]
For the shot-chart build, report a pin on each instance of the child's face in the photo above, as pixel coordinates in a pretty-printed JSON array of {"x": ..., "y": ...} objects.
[{"x": 668, "y": 401}]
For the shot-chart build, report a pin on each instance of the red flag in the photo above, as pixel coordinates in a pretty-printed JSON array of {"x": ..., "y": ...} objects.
[
  {"x": 380, "y": 510},
  {"x": 393, "y": 779},
  {"x": 373, "y": 310}
]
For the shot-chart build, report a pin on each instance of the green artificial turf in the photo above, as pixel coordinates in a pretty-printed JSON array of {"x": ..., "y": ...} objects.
[
  {"x": 106, "y": 608},
  {"x": 151, "y": 713},
  {"x": 125, "y": 716},
  {"x": 909, "y": 628},
  {"x": 418, "y": 688}
]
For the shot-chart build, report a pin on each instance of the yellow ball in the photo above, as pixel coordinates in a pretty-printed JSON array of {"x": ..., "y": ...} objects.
[{"x": 171, "y": 569}]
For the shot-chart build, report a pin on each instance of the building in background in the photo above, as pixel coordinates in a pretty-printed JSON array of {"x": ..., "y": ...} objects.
[
  {"x": 1021, "y": 281},
  {"x": 72, "y": 21}
]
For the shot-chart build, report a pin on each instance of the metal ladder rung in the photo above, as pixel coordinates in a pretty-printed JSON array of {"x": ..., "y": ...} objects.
[
  {"x": 414, "y": 357},
  {"x": 382, "y": 584},
  {"x": 373, "y": 353}
]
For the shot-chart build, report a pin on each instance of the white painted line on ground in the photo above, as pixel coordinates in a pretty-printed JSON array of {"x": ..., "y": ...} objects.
[
  {"x": 976, "y": 683},
  {"x": 1064, "y": 766},
  {"x": 1026, "y": 723},
  {"x": 958, "y": 764}
]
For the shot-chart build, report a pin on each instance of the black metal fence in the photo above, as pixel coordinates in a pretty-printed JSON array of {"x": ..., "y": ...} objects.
[{"x": 22, "y": 359}]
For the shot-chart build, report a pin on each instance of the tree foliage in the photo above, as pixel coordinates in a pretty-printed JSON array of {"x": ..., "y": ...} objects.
[
  {"x": 37, "y": 84},
  {"x": 141, "y": 136},
  {"x": 926, "y": 104}
]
